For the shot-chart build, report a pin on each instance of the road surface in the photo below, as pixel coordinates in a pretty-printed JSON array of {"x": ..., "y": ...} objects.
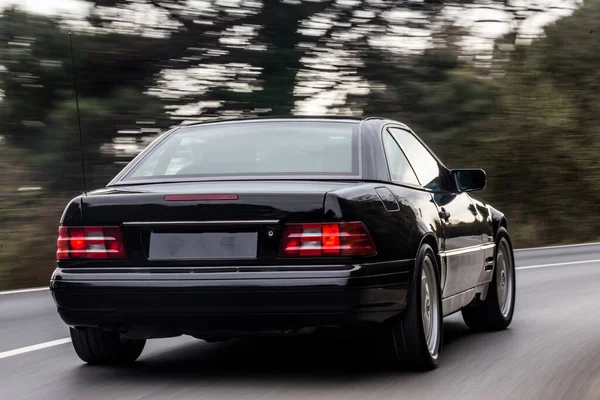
[{"x": 551, "y": 351}]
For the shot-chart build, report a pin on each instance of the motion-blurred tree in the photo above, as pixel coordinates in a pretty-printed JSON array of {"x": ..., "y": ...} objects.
[
  {"x": 37, "y": 112},
  {"x": 251, "y": 57},
  {"x": 544, "y": 136},
  {"x": 534, "y": 127}
]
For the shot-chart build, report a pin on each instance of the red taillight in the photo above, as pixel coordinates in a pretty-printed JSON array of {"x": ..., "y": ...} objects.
[
  {"x": 90, "y": 242},
  {"x": 343, "y": 239}
]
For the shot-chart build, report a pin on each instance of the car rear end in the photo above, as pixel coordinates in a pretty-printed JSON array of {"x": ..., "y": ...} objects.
[{"x": 196, "y": 237}]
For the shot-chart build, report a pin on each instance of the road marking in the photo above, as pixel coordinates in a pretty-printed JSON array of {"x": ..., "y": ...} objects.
[
  {"x": 35, "y": 347},
  {"x": 559, "y": 247},
  {"x": 559, "y": 264},
  {"x": 38, "y": 289}
]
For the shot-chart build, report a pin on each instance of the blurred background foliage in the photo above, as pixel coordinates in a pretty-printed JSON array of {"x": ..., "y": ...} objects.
[{"x": 523, "y": 105}]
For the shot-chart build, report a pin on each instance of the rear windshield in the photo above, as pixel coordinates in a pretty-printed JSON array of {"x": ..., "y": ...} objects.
[{"x": 274, "y": 148}]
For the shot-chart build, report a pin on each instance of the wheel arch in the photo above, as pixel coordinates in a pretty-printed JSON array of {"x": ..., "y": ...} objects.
[
  {"x": 498, "y": 220},
  {"x": 430, "y": 239},
  {"x": 503, "y": 224}
]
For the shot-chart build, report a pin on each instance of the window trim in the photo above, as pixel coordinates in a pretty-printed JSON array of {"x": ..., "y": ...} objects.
[
  {"x": 384, "y": 132},
  {"x": 386, "y": 127}
]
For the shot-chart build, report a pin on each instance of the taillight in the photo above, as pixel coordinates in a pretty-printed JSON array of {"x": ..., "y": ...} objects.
[
  {"x": 341, "y": 239},
  {"x": 90, "y": 242}
]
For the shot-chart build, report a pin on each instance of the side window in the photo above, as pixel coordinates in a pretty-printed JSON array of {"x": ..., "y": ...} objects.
[
  {"x": 426, "y": 167},
  {"x": 400, "y": 169}
]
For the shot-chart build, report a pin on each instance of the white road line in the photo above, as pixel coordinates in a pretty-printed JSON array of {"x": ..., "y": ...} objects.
[
  {"x": 38, "y": 289},
  {"x": 35, "y": 347},
  {"x": 559, "y": 264},
  {"x": 559, "y": 247}
]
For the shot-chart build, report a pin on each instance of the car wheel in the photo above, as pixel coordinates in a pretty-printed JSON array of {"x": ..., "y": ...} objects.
[
  {"x": 416, "y": 336},
  {"x": 95, "y": 346},
  {"x": 496, "y": 311}
]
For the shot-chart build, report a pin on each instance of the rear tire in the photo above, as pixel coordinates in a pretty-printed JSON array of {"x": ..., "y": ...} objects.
[
  {"x": 496, "y": 311},
  {"x": 98, "y": 347},
  {"x": 415, "y": 338}
]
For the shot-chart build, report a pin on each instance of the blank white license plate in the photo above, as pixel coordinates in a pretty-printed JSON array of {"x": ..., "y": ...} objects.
[{"x": 203, "y": 246}]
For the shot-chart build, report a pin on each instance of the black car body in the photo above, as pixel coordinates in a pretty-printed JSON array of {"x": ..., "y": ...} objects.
[{"x": 203, "y": 253}]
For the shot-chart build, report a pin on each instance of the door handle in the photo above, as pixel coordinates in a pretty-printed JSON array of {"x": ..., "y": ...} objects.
[{"x": 444, "y": 215}]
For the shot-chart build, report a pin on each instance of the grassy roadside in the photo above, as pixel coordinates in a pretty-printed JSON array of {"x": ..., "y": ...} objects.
[{"x": 28, "y": 239}]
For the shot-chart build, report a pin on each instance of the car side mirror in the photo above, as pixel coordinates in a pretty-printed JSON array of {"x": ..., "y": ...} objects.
[{"x": 469, "y": 180}]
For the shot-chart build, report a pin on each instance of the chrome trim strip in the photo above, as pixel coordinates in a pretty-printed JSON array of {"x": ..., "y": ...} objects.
[
  {"x": 488, "y": 246},
  {"x": 170, "y": 223},
  {"x": 211, "y": 269},
  {"x": 466, "y": 250}
]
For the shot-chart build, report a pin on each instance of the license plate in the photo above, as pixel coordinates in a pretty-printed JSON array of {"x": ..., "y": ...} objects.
[{"x": 203, "y": 246}]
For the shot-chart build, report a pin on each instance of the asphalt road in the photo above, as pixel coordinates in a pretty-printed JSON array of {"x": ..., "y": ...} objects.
[{"x": 551, "y": 351}]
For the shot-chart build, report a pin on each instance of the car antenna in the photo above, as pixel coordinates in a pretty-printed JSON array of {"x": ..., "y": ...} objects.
[{"x": 78, "y": 114}]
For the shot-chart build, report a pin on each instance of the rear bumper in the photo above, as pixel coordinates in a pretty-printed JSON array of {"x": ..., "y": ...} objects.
[{"x": 167, "y": 304}]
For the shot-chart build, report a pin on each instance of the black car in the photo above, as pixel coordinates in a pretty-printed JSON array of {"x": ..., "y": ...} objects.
[{"x": 227, "y": 229}]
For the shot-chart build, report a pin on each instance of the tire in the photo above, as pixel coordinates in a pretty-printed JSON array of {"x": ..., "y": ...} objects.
[
  {"x": 496, "y": 311},
  {"x": 410, "y": 345},
  {"x": 98, "y": 347}
]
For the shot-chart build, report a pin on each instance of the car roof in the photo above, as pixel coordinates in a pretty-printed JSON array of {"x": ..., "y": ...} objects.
[{"x": 370, "y": 120}]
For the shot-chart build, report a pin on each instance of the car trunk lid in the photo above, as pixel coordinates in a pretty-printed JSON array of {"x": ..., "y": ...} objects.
[{"x": 209, "y": 222}]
